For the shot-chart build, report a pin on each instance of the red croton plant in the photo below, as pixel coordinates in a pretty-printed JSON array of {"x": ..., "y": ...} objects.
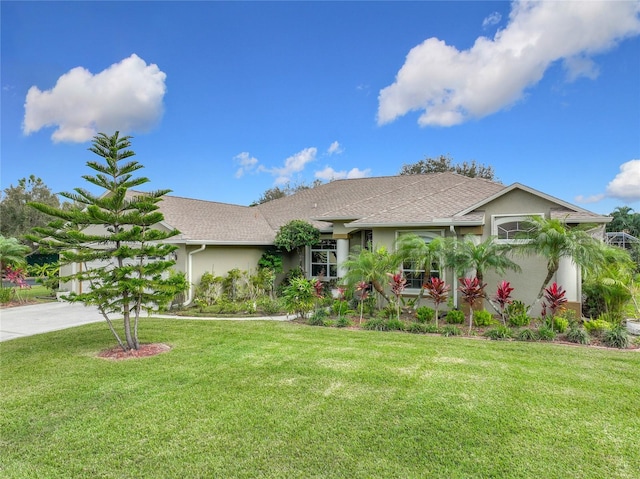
[
  {"x": 554, "y": 300},
  {"x": 472, "y": 290},
  {"x": 438, "y": 291},
  {"x": 362, "y": 288},
  {"x": 397, "y": 282},
  {"x": 503, "y": 298}
]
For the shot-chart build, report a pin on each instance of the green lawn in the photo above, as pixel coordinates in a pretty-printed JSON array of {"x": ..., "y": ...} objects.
[
  {"x": 36, "y": 292},
  {"x": 268, "y": 399}
]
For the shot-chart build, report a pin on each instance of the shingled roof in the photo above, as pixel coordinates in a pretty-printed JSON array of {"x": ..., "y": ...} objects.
[
  {"x": 406, "y": 200},
  {"x": 211, "y": 222}
]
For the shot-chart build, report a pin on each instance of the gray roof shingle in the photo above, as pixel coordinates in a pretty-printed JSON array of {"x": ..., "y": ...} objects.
[{"x": 407, "y": 200}]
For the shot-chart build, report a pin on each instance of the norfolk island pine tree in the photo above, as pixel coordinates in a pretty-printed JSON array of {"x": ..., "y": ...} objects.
[{"x": 128, "y": 282}]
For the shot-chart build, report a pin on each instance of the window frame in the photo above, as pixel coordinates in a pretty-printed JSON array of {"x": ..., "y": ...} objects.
[
  {"x": 500, "y": 219},
  {"x": 329, "y": 251},
  {"x": 431, "y": 234}
]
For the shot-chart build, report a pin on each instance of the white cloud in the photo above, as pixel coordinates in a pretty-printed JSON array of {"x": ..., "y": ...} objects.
[
  {"x": 127, "y": 97},
  {"x": 293, "y": 164},
  {"x": 626, "y": 184},
  {"x": 452, "y": 86},
  {"x": 247, "y": 163},
  {"x": 335, "y": 148},
  {"x": 580, "y": 66},
  {"x": 492, "y": 19},
  {"x": 589, "y": 199},
  {"x": 328, "y": 174}
]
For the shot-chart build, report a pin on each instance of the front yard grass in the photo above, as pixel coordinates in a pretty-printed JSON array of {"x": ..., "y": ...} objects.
[
  {"x": 36, "y": 293},
  {"x": 285, "y": 400}
]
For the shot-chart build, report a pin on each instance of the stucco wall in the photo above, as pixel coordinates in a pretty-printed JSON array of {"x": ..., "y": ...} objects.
[
  {"x": 527, "y": 283},
  {"x": 219, "y": 260}
]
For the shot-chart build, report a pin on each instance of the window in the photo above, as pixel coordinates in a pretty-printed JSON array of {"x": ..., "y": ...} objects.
[
  {"x": 417, "y": 277},
  {"x": 511, "y": 228},
  {"x": 324, "y": 259},
  {"x": 367, "y": 239}
]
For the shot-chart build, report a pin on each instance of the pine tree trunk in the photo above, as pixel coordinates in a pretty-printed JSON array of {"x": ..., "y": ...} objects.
[{"x": 131, "y": 344}]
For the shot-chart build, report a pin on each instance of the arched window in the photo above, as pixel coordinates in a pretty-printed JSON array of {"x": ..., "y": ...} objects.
[{"x": 511, "y": 228}]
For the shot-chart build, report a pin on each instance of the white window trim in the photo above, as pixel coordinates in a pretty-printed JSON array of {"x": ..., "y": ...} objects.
[
  {"x": 430, "y": 233},
  {"x": 309, "y": 257},
  {"x": 497, "y": 220}
]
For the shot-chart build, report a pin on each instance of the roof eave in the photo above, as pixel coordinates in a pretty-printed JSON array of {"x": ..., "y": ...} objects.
[
  {"x": 447, "y": 222},
  {"x": 226, "y": 243}
]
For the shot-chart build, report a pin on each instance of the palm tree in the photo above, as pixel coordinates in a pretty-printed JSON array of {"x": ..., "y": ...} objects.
[
  {"x": 371, "y": 266},
  {"x": 12, "y": 252},
  {"x": 554, "y": 240},
  {"x": 623, "y": 219},
  {"x": 466, "y": 255},
  {"x": 612, "y": 285},
  {"x": 421, "y": 254}
]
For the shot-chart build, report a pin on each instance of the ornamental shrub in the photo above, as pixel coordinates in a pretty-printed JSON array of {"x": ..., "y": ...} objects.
[
  {"x": 451, "y": 330},
  {"x": 519, "y": 320},
  {"x": 318, "y": 317},
  {"x": 499, "y": 332},
  {"x": 299, "y": 296},
  {"x": 526, "y": 335},
  {"x": 455, "y": 316},
  {"x": 616, "y": 337},
  {"x": 416, "y": 328},
  {"x": 515, "y": 308},
  {"x": 394, "y": 324},
  {"x": 269, "y": 306},
  {"x": 578, "y": 335},
  {"x": 343, "y": 322},
  {"x": 425, "y": 314},
  {"x": 6, "y": 295},
  {"x": 546, "y": 333},
  {"x": 340, "y": 307},
  {"x": 375, "y": 324},
  {"x": 596, "y": 326},
  {"x": 560, "y": 324},
  {"x": 482, "y": 318}
]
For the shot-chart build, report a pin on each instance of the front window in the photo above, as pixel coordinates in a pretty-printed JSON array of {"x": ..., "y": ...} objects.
[
  {"x": 324, "y": 259},
  {"x": 367, "y": 239},
  {"x": 416, "y": 276}
]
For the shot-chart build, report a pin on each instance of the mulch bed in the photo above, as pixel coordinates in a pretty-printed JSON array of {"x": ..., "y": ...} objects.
[{"x": 144, "y": 351}]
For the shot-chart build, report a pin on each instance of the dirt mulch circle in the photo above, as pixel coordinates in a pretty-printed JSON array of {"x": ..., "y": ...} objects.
[{"x": 144, "y": 351}]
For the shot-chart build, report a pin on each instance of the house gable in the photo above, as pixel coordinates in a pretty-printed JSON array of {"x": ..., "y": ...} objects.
[{"x": 520, "y": 199}]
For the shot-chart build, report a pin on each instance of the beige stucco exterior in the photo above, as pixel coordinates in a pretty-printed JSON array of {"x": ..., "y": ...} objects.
[{"x": 216, "y": 237}]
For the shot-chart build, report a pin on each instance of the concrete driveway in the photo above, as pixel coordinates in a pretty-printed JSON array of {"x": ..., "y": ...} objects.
[{"x": 22, "y": 321}]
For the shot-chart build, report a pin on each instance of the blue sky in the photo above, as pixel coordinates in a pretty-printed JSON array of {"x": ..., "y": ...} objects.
[{"x": 225, "y": 100}]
